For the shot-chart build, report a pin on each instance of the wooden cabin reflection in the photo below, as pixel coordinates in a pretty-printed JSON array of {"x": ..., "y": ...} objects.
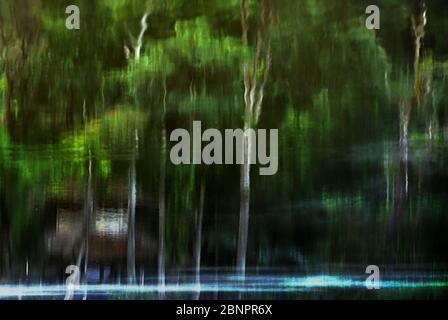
[{"x": 101, "y": 247}]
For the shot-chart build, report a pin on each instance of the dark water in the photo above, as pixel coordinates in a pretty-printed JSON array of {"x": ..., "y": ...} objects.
[{"x": 86, "y": 177}]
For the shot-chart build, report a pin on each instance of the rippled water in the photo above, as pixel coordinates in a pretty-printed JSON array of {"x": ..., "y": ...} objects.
[{"x": 218, "y": 284}]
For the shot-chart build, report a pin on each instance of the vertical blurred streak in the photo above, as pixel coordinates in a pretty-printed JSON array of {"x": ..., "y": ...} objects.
[
  {"x": 161, "y": 253},
  {"x": 216, "y": 295},
  {"x": 243, "y": 224},
  {"x": 8, "y": 62},
  {"x": 419, "y": 21},
  {"x": 244, "y": 205},
  {"x": 244, "y": 19},
  {"x": 6, "y": 256},
  {"x": 89, "y": 211},
  {"x": 131, "y": 216},
  {"x": 198, "y": 238}
]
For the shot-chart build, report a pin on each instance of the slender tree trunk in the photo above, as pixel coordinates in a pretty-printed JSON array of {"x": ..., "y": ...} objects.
[
  {"x": 253, "y": 100},
  {"x": 139, "y": 42},
  {"x": 198, "y": 238},
  {"x": 418, "y": 20},
  {"x": 131, "y": 219},
  {"x": 244, "y": 206},
  {"x": 83, "y": 253},
  {"x": 162, "y": 209}
]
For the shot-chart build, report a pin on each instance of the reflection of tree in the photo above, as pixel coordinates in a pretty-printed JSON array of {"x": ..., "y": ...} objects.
[{"x": 254, "y": 85}]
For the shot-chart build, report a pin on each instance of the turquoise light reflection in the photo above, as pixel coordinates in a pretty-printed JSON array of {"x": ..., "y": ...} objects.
[{"x": 251, "y": 284}]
